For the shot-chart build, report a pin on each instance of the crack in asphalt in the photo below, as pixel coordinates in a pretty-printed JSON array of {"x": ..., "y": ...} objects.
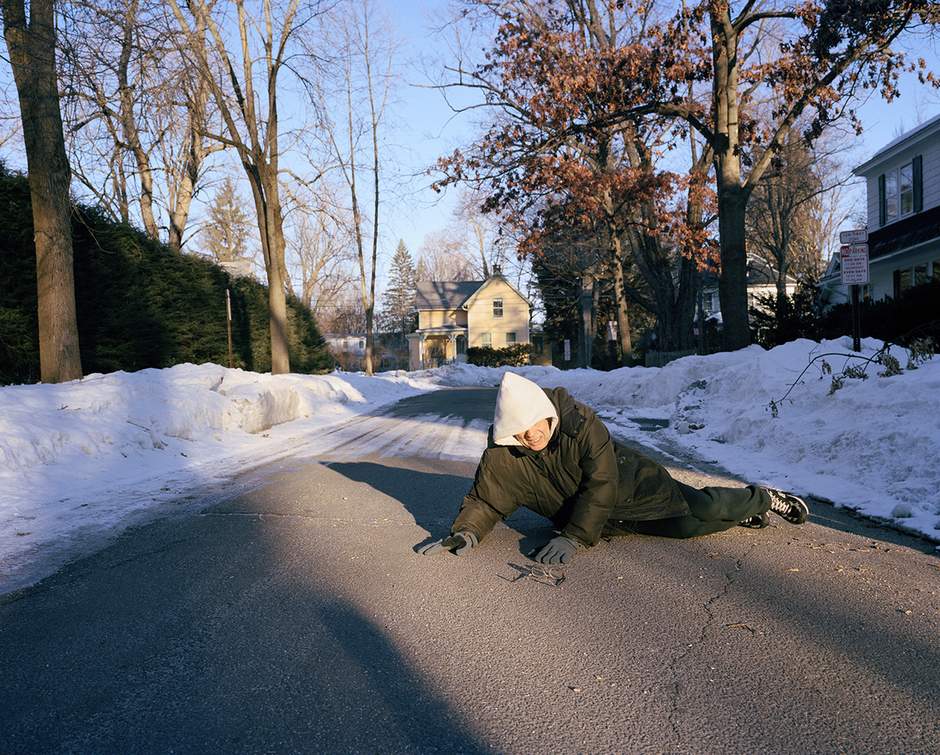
[
  {"x": 672, "y": 668},
  {"x": 146, "y": 554}
]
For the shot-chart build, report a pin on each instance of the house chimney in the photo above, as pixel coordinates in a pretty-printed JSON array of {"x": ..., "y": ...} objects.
[{"x": 497, "y": 269}]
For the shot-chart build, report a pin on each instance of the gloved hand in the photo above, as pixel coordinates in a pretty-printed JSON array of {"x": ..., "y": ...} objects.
[
  {"x": 459, "y": 544},
  {"x": 558, "y": 550}
]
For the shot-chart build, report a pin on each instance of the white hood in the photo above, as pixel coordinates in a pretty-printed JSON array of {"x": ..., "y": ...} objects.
[{"x": 519, "y": 405}]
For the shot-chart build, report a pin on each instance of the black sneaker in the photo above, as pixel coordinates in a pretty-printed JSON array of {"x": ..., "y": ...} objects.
[
  {"x": 756, "y": 522},
  {"x": 790, "y": 507}
]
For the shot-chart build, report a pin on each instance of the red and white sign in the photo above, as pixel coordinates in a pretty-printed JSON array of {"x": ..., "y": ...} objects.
[
  {"x": 855, "y": 236},
  {"x": 854, "y": 264}
]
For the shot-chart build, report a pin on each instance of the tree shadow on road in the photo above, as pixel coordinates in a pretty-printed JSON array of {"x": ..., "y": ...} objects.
[
  {"x": 434, "y": 499},
  {"x": 208, "y": 636}
]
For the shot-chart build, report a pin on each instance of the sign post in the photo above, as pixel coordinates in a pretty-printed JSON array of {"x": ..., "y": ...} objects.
[
  {"x": 228, "y": 323},
  {"x": 854, "y": 265}
]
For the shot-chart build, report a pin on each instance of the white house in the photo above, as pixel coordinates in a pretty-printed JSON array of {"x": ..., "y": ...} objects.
[
  {"x": 903, "y": 190},
  {"x": 349, "y": 350},
  {"x": 761, "y": 281}
]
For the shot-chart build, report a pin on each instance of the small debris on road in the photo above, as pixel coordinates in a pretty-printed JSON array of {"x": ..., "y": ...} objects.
[{"x": 552, "y": 576}]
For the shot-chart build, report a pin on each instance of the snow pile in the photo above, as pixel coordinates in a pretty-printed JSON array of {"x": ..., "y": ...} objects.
[
  {"x": 871, "y": 445},
  {"x": 79, "y": 458}
]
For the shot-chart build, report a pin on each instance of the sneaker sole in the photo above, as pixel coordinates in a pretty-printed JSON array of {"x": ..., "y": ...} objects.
[{"x": 798, "y": 514}]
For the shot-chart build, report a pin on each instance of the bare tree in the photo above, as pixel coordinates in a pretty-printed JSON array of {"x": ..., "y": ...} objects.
[
  {"x": 444, "y": 256},
  {"x": 31, "y": 46},
  {"x": 786, "y": 213},
  {"x": 251, "y": 125},
  {"x": 320, "y": 249},
  {"x": 366, "y": 58},
  {"x": 135, "y": 110}
]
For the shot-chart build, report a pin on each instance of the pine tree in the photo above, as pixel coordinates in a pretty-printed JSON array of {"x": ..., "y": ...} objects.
[
  {"x": 399, "y": 299},
  {"x": 227, "y": 231}
]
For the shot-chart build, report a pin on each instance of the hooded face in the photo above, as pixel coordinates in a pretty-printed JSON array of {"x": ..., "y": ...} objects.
[
  {"x": 537, "y": 436},
  {"x": 524, "y": 414}
]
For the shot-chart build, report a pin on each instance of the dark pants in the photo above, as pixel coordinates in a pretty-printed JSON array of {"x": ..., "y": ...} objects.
[{"x": 713, "y": 510}]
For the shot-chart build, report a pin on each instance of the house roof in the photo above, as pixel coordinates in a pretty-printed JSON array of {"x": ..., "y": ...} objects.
[
  {"x": 905, "y": 140},
  {"x": 484, "y": 284},
  {"x": 444, "y": 294},
  {"x": 454, "y": 294},
  {"x": 759, "y": 273}
]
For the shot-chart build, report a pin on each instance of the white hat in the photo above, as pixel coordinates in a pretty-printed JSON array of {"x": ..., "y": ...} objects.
[{"x": 519, "y": 405}]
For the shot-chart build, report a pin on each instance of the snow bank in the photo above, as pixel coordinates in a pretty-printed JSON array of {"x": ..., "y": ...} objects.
[
  {"x": 871, "y": 445},
  {"x": 80, "y": 458}
]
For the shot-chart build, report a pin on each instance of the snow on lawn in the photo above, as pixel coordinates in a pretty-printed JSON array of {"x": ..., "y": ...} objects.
[
  {"x": 80, "y": 460},
  {"x": 872, "y": 445}
]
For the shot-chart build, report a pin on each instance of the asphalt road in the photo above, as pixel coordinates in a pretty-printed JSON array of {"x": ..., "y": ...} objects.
[{"x": 295, "y": 616}]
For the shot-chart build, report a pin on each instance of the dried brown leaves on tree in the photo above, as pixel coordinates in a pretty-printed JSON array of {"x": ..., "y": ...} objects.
[{"x": 565, "y": 76}]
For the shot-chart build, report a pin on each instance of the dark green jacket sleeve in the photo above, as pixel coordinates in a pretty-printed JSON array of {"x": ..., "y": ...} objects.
[
  {"x": 492, "y": 498},
  {"x": 597, "y": 493}
]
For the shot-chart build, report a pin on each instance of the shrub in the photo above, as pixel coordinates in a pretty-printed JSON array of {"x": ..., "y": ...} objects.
[
  {"x": 138, "y": 304},
  {"x": 509, "y": 356}
]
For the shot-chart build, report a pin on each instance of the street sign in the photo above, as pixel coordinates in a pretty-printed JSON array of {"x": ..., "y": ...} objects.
[
  {"x": 854, "y": 264},
  {"x": 855, "y": 236}
]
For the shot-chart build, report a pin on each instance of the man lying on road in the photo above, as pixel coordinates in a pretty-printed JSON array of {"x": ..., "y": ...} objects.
[{"x": 553, "y": 455}]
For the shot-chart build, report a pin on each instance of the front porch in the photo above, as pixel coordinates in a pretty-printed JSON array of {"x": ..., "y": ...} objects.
[{"x": 433, "y": 347}]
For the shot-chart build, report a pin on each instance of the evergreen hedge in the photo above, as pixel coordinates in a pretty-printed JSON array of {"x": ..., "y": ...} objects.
[
  {"x": 138, "y": 304},
  {"x": 912, "y": 316},
  {"x": 509, "y": 356}
]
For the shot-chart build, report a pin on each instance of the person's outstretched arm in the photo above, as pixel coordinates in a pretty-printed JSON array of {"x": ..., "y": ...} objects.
[{"x": 490, "y": 500}]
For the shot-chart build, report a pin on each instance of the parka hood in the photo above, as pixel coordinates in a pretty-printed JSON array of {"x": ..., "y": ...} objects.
[{"x": 520, "y": 403}]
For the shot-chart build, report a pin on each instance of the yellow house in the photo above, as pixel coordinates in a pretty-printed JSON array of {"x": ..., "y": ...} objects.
[{"x": 455, "y": 315}]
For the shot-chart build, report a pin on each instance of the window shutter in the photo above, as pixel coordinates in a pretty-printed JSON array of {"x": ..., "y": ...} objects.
[
  {"x": 918, "y": 183},
  {"x": 882, "y": 207}
]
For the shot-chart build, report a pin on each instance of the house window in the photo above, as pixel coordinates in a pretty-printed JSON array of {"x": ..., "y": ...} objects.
[
  {"x": 891, "y": 195},
  {"x": 906, "y": 188},
  {"x": 362, "y": 343},
  {"x": 510, "y": 338},
  {"x": 486, "y": 339},
  {"x": 920, "y": 274},
  {"x": 497, "y": 307},
  {"x": 902, "y": 281},
  {"x": 899, "y": 190},
  {"x": 936, "y": 270}
]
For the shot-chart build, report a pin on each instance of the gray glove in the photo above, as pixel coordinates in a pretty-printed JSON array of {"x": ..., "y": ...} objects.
[
  {"x": 459, "y": 544},
  {"x": 558, "y": 550}
]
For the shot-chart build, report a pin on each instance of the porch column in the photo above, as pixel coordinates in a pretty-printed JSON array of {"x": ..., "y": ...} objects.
[
  {"x": 452, "y": 338},
  {"x": 421, "y": 349}
]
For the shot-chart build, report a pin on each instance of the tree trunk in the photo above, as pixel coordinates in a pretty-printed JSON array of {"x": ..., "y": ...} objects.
[
  {"x": 268, "y": 211},
  {"x": 620, "y": 297},
  {"x": 732, "y": 284},
  {"x": 129, "y": 123},
  {"x": 32, "y": 56},
  {"x": 782, "y": 284},
  {"x": 586, "y": 332},
  {"x": 732, "y": 197},
  {"x": 280, "y": 358}
]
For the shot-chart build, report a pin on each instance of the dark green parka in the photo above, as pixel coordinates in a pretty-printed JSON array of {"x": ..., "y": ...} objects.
[{"x": 579, "y": 481}]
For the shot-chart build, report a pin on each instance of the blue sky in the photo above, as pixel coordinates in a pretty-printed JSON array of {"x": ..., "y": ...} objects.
[{"x": 422, "y": 127}]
